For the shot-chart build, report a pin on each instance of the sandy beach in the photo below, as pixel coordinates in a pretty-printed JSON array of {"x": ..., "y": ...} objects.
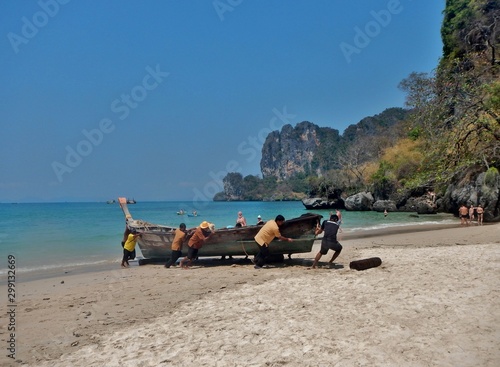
[{"x": 434, "y": 301}]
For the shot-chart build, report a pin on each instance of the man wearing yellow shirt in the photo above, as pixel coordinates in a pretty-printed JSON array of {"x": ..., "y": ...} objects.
[
  {"x": 265, "y": 236},
  {"x": 129, "y": 247},
  {"x": 179, "y": 238}
]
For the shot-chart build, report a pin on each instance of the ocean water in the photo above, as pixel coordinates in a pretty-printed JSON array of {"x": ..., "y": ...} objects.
[{"x": 57, "y": 235}]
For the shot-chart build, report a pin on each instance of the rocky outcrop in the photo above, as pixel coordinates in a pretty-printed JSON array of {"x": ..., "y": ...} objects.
[
  {"x": 319, "y": 203},
  {"x": 290, "y": 151},
  {"x": 362, "y": 201},
  {"x": 381, "y": 205},
  {"x": 425, "y": 207},
  {"x": 310, "y": 149},
  {"x": 481, "y": 189},
  {"x": 424, "y": 204},
  {"x": 475, "y": 188}
]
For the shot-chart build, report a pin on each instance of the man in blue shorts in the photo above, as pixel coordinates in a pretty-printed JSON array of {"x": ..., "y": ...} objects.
[{"x": 329, "y": 241}]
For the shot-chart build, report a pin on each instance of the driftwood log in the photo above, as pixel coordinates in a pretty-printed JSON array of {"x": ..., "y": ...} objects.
[{"x": 364, "y": 264}]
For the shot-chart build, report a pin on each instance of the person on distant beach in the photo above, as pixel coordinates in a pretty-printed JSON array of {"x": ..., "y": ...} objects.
[
  {"x": 129, "y": 247},
  {"x": 329, "y": 241},
  {"x": 266, "y": 234},
  {"x": 260, "y": 222},
  {"x": 241, "y": 219},
  {"x": 463, "y": 212},
  {"x": 179, "y": 238},
  {"x": 199, "y": 237},
  {"x": 339, "y": 215},
  {"x": 385, "y": 213},
  {"x": 480, "y": 214},
  {"x": 471, "y": 214}
]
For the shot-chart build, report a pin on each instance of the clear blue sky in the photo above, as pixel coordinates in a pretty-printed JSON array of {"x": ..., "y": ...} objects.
[{"x": 158, "y": 100}]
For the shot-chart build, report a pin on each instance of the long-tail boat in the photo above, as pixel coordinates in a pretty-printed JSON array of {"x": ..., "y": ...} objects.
[{"x": 156, "y": 240}]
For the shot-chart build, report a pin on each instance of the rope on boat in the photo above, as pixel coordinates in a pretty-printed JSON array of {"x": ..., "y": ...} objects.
[{"x": 243, "y": 247}]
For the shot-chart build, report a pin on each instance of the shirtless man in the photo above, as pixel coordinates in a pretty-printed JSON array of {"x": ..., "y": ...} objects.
[
  {"x": 480, "y": 213},
  {"x": 463, "y": 212}
]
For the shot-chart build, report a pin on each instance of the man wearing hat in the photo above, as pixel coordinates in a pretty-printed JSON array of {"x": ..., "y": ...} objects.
[
  {"x": 260, "y": 222},
  {"x": 200, "y": 235}
]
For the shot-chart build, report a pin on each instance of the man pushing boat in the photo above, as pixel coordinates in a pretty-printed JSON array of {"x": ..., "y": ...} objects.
[
  {"x": 197, "y": 240},
  {"x": 265, "y": 236}
]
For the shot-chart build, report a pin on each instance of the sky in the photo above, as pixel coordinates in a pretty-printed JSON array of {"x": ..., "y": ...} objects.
[{"x": 159, "y": 100}]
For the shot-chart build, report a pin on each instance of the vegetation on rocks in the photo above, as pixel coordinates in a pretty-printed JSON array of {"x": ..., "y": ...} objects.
[{"x": 448, "y": 134}]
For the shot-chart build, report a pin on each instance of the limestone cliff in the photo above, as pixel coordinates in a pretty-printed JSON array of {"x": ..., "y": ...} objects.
[
  {"x": 313, "y": 150},
  {"x": 295, "y": 150}
]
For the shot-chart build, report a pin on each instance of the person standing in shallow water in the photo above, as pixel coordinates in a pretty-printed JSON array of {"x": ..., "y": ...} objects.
[
  {"x": 179, "y": 238},
  {"x": 265, "y": 236},
  {"x": 329, "y": 241}
]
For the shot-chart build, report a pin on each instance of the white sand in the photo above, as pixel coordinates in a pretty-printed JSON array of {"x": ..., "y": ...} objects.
[{"x": 434, "y": 301}]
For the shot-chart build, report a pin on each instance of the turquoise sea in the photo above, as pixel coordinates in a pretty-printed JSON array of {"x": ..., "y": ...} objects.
[{"x": 56, "y": 235}]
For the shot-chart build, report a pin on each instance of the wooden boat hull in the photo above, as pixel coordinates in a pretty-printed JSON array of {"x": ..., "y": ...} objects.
[
  {"x": 156, "y": 240},
  {"x": 157, "y": 245}
]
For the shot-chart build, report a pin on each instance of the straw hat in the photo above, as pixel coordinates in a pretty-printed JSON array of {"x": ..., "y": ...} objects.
[{"x": 204, "y": 224}]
